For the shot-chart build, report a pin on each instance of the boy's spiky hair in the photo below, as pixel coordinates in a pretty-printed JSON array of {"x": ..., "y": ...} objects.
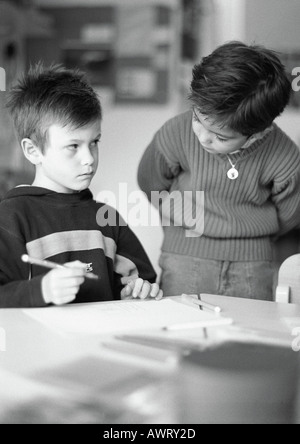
[
  {"x": 49, "y": 95},
  {"x": 241, "y": 87}
]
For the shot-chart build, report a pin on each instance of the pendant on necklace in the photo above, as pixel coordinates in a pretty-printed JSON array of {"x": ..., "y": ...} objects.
[{"x": 233, "y": 174}]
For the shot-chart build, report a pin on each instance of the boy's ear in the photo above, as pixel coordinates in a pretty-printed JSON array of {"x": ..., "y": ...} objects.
[{"x": 31, "y": 151}]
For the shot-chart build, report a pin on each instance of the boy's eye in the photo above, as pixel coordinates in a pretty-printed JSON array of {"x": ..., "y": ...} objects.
[
  {"x": 73, "y": 147},
  {"x": 96, "y": 142},
  {"x": 195, "y": 118},
  {"x": 220, "y": 139}
]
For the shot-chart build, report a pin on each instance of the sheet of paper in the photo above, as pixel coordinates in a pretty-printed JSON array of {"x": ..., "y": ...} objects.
[{"x": 116, "y": 317}]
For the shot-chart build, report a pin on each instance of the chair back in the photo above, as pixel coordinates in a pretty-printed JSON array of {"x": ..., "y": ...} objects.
[{"x": 288, "y": 289}]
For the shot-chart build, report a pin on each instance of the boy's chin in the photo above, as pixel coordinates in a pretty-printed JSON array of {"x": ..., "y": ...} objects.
[
  {"x": 79, "y": 189},
  {"x": 76, "y": 188}
]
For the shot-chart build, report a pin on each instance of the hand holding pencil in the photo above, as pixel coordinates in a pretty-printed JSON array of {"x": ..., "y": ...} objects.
[{"x": 61, "y": 285}]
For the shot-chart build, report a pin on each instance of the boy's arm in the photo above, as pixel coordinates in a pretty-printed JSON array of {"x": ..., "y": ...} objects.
[
  {"x": 131, "y": 260},
  {"x": 286, "y": 197},
  {"x": 161, "y": 162},
  {"x": 16, "y": 290}
]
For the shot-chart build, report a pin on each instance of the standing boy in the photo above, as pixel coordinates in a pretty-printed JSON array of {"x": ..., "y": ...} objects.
[
  {"x": 228, "y": 146},
  {"x": 57, "y": 116}
]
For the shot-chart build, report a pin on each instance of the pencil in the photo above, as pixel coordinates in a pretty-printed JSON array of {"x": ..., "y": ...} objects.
[
  {"x": 51, "y": 265},
  {"x": 207, "y": 306},
  {"x": 200, "y": 303}
]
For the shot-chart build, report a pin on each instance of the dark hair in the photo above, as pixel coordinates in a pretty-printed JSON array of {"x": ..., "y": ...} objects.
[
  {"x": 51, "y": 95},
  {"x": 242, "y": 87}
]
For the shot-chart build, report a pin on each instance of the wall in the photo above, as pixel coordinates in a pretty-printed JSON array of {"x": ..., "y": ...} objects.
[
  {"x": 11, "y": 59},
  {"x": 230, "y": 20},
  {"x": 274, "y": 23}
]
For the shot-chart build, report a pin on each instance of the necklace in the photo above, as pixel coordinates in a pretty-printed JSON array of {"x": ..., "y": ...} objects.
[{"x": 233, "y": 173}]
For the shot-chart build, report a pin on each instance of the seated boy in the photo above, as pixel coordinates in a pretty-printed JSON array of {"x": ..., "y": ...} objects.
[{"x": 57, "y": 117}]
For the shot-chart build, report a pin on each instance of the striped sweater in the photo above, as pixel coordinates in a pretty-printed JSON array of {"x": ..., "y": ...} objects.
[
  {"x": 64, "y": 228},
  {"x": 241, "y": 217}
]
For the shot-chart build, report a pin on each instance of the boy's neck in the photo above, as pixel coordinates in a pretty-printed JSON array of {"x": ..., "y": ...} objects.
[{"x": 50, "y": 185}]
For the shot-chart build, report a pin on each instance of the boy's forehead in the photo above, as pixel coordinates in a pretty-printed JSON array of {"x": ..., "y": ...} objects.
[
  {"x": 57, "y": 130},
  {"x": 215, "y": 126}
]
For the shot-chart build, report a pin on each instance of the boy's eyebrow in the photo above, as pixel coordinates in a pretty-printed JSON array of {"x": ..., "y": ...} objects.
[
  {"x": 217, "y": 134},
  {"x": 80, "y": 140}
]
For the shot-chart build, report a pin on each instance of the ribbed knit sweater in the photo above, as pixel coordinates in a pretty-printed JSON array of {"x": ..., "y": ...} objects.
[
  {"x": 64, "y": 228},
  {"x": 241, "y": 217}
]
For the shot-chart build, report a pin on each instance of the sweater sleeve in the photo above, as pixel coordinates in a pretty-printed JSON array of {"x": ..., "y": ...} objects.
[
  {"x": 286, "y": 197},
  {"x": 131, "y": 259},
  {"x": 16, "y": 290},
  {"x": 161, "y": 161}
]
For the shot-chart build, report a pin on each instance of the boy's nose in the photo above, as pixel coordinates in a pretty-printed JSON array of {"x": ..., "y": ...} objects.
[
  {"x": 205, "y": 137},
  {"x": 87, "y": 158}
]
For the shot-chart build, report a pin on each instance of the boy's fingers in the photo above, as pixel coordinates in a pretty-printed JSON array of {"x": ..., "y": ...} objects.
[
  {"x": 123, "y": 293},
  {"x": 64, "y": 298},
  {"x": 160, "y": 295},
  {"x": 145, "y": 290},
  {"x": 70, "y": 282},
  {"x": 67, "y": 273},
  {"x": 137, "y": 287},
  {"x": 76, "y": 264},
  {"x": 63, "y": 301},
  {"x": 154, "y": 290},
  {"x": 128, "y": 280}
]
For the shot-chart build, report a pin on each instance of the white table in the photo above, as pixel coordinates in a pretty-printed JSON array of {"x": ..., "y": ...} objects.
[{"x": 31, "y": 347}]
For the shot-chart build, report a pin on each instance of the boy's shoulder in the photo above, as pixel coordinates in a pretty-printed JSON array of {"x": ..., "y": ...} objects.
[
  {"x": 11, "y": 212},
  {"x": 284, "y": 144},
  {"x": 283, "y": 155},
  {"x": 12, "y": 200},
  {"x": 177, "y": 129}
]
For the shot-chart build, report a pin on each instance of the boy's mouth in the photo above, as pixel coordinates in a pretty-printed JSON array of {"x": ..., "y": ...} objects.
[
  {"x": 208, "y": 149},
  {"x": 87, "y": 174}
]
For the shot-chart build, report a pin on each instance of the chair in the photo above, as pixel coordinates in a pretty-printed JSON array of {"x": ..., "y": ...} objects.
[{"x": 288, "y": 289}]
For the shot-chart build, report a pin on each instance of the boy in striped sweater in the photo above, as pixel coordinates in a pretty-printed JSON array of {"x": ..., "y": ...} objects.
[
  {"x": 229, "y": 147},
  {"x": 57, "y": 116}
]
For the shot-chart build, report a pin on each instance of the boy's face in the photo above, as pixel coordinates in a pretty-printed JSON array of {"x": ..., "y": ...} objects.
[
  {"x": 214, "y": 139},
  {"x": 70, "y": 158}
]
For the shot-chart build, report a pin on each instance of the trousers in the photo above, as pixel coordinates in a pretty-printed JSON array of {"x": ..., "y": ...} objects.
[{"x": 190, "y": 275}]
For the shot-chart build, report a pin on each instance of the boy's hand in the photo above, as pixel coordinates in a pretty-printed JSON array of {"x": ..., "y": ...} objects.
[
  {"x": 60, "y": 286},
  {"x": 138, "y": 288}
]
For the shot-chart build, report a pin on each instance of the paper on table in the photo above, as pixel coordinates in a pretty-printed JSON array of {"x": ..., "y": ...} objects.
[{"x": 115, "y": 317}]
